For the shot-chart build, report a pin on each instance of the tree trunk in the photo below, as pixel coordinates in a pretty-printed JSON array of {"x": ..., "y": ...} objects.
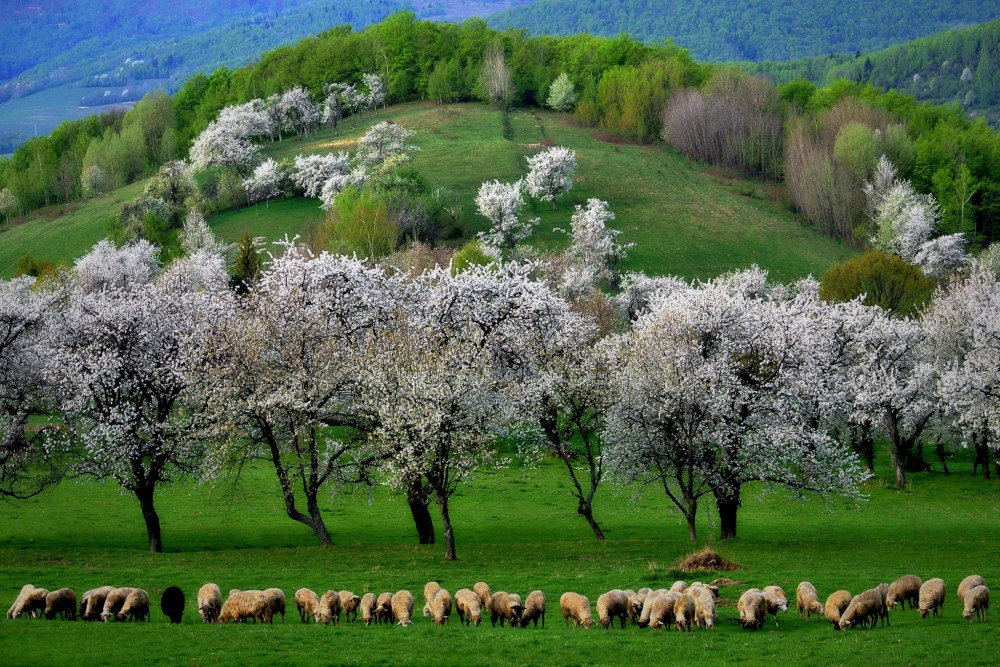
[
  {"x": 692, "y": 516},
  {"x": 898, "y": 450},
  {"x": 151, "y": 518},
  {"x": 940, "y": 452},
  {"x": 728, "y": 503},
  {"x": 315, "y": 518},
  {"x": 417, "y": 499},
  {"x": 449, "y": 535},
  {"x": 587, "y": 512}
]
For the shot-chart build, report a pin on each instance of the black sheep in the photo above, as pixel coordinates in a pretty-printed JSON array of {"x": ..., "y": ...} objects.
[{"x": 172, "y": 604}]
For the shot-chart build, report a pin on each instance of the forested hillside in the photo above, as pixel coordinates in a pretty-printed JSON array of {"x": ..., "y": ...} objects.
[
  {"x": 753, "y": 29},
  {"x": 954, "y": 67}
]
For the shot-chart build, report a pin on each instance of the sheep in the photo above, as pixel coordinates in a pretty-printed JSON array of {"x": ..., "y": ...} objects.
[
  {"x": 172, "y": 604},
  {"x": 774, "y": 601},
  {"x": 441, "y": 606},
  {"x": 634, "y": 606},
  {"x": 575, "y": 608},
  {"x": 612, "y": 605},
  {"x": 864, "y": 610},
  {"x": 402, "y": 607},
  {"x": 647, "y": 606},
  {"x": 349, "y": 605},
  {"x": 482, "y": 589},
  {"x": 275, "y": 598},
  {"x": 698, "y": 586},
  {"x": 329, "y": 608},
  {"x": 469, "y": 607},
  {"x": 307, "y": 602},
  {"x": 30, "y": 602},
  {"x": 383, "y": 608},
  {"x": 752, "y": 608},
  {"x": 243, "y": 605},
  {"x": 430, "y": 590},
  {"x": 807, "y": 600},
  {"x": 368, "y": 605},
  {"x": 704, "y": 611},
  {"x": 835, "y": 605},
  {"x": 661, "y": 609},
  {"x": 210, "y": 603},
  {"x": 883, "y": 613},
  {"x": 92, "y": 602},
  {"x": 505, "y": 607},
  {"x": 968, "y": 584},
  {"x": 19, "y": 600},
  {"x": 684, "y": 612},
  {"x": 534, "y": 609},
  {"x": 678, "y": 587},
  {"x": 932, "y": 597},
  {"x": 904, "y": 589},
  {"x": 114, "y": 602},
  {"x": 136, "y": 607},
  {"x": 977, "y": 601},
  {"x": 62, "y": 602}
]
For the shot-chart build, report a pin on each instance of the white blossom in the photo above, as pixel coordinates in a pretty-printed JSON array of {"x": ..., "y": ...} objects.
[
  {"x": 107, "y": 266},
  {"x": 265, "y": 182},
  {"x": 296, "y": 111},
  {"x": 941, "y": 256},
  {"x": 501, "y": 204},
  {"x": 550, "y": 173},
  {"x": 382, "y": 142},
  {"x": 313, "y": 171},
  {"x": 195, "y": 235}
]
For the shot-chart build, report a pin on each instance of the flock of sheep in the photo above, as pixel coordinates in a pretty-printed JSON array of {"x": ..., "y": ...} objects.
[{"x": 682, "y": 606}]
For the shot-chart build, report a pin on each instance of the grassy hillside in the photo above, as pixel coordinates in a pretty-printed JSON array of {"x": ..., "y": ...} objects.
[
  {"x": 684, "y": 219},
  {"x": 516, "y": 529},
  {"x": 755, "y": 29}
]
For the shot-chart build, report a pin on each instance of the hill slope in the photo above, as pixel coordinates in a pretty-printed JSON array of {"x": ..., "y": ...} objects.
[
  {"x": 684, "y": 221},
  {"x": 753, "y": 29}
]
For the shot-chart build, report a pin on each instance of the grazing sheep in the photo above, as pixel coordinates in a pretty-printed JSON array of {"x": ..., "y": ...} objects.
[
  {"x": 883, "y": 613},
  {"x": 807, "y": 600},
  {"x": 968, "y": 584},
  {"x": 698, "y": 586},
  {"x": 368, "y": 605},
  {"x": 136, "y": 607},
  {"x": 469, "y": 607},
  {"x": 402, "y": 607},
  {"x": 329, "y": 608},
  {"x": 534, "y": 609},
  {"x": 774, "y": 601},
  {"x": 210, "y": 603},
  {"x": 349, "y": 605},
  {"x": 634, "y": 606},
  {"x": 678, "y": 587},
  {"x": 864, "y": 610},
  {"x": 932, "y": 597},
  {"x": 904, "y": 589},
  {"x": 753, "y": 609},
  {"x": 977, "y": 601},
  {"x": 114, "y": 602},
  {"x": 704, "y": 611},
  {"x": 575, "y": 607},
  {"x": 647, "y": 606},
  {"x": 441, "y": 606},
  {"x": 243, "y": 605},
  {"x": 275, "y": 598},
  {"x": 835, "y": 606},
  {"x": 612, "y": 605},
  {"x": 95, "y": 602},
  {"x": 30, "y": 602},
  {"x": 430, "y": 590},
  {"x": 506, "y": 607},
  {"x": 19, "y": 600},
  {"x": 62, "y": 602},
  {"x": 482, "y": 589},
  {"x": 172, "y": 604},
  {"x": 684, "y": 612},
  {"x": 383, "y": 608},
  {"x": 661, "y": 609}
]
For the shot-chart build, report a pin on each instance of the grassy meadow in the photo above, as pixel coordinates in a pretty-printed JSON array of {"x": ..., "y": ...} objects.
[
  {"x": 684, "y": 219},
  {"x": 516, "y": 528}
]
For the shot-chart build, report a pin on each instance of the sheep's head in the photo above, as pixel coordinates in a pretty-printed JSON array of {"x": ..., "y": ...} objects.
[
  {"x": 709, "y": 621},
  {"x": 782, "y": 605},
  {"x": 105, "y": 615},
  {"x": 587, "y": 622},
  {"x": 924, "y": 612},
  {"x": 967, "y": 615},
  {"x": 605, "y": 622},
  {"x": 405, "y": 622},
  {"x": 845, "y": 623}
]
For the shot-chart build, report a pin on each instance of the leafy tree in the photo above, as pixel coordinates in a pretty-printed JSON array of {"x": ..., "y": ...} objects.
[
  {"x": 562, "y": 94},
  {"x": 899, "y": 288}
]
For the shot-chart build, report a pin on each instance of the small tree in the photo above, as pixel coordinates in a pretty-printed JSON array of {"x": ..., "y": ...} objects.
[
  {"x": 886, "y": 281},
  {"x": 501, "y": 204},
  {"x": 495, "y": 80},
  {"x": 92, "y": 179},
  {"x": 550, "y": 173},
  {"x": 594, "y": 244},
  {"x": 264, "y": 184},
  {"x": 562, "y": 94},
  {"x": 383, "y": 142},
  {"x": 247, "y": 265},
  {"x": 196, "y": 236},
  {"x": 8, "y": 203}
]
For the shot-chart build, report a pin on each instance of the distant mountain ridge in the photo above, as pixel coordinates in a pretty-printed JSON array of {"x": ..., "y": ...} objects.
[{"x": 753, "y": 30}]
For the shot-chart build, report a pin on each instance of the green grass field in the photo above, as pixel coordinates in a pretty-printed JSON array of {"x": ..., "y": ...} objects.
[
  {"x": 517, "y": 529},
  {"x": 684, "y": 219}
]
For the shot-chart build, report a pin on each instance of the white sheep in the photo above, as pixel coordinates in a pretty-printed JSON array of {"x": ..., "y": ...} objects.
[
  {"x": 684, "y": 615},
  {"x": 704, "y": 611},
  {"x": 243, "y": 605},
  {"x": 440, "y": 607},
  {"x": 94, "y": 598},
  {"x": 307, "y": 602},
  {"x": 932, "y": 597},
  {"x": 752, "y": 609},
  {"x": 612, "y": 605},
  {"x": 209, "y": 602},
  {"x": 505, "y": 607},
  {"x": 662, "y": 604},
  {"x": 383, "y": 608},
  {"x": 534, "y": 609},
  {"x": 349, "y": 605},
  {"x": 62, "y": 602},
  {"x": 482, "y": 589},
  {"x": 904, "y": 589},
  {"x": 836, "y": 605},
  {"x": 977, "y": 601},
  {"x": 774, "y": 601},
  {"x": 30, "y": 601},
  {"x": 807, "y": 600},
  {"x": 275, "y": 598},
  {"x": 402, "y": 607},
  {"x": 430, "y": 590},
  {"x": 863, "y": 611},
  {"x": 575, "y": 608},
  {"x": 368, "y": 605},
  {"x": 329, "y": 608},
  {"x": 968, "y": 584},
  {"x": 678, "y": 587},
  {"x": 469, "y": 607},
  {"x": 136, "y": 606},
  {"x": 114, "y": 602}
]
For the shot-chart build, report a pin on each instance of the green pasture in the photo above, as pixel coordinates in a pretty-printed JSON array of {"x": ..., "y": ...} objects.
[
  {"x": 517, "y": 529},
  {"x": 684, "y": 219}
]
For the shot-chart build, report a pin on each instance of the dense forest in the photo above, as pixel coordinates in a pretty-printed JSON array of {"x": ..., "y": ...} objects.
[
  {"x": 629, "y": 90},
  {"x": 958, "y": 66},
  {"x": 753, "y": 29}
]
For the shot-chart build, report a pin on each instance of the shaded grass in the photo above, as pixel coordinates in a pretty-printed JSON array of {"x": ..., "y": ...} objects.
[{"x": 517, "y": 529}]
